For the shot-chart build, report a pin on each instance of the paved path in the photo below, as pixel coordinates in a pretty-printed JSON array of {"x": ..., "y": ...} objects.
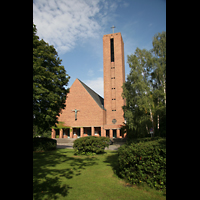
[{"x": 70, "y": 146}]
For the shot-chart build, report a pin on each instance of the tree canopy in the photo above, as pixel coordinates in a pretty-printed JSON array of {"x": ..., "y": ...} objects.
[
  {"x": 145, "y": 90},
  {"x": 49, "y": 84}
]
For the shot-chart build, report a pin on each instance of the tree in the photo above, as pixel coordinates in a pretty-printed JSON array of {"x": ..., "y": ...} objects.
[
  {"x": 142, "y": 90},
  {"x": 159, "y": 80},
  {"x": 49, "y": 84},
  {"x": 136, "y": 91}
]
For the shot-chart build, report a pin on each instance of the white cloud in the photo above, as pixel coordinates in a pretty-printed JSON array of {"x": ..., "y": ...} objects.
[
  {"x": 96, "y": 85},
  {"x": 62, "y": 22},
  {"x": 113, "y": 6}
]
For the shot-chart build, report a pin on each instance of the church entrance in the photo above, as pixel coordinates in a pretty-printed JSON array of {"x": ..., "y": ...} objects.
[
  {"x": 66, "y": 133},
  {"x": 76, "y": 132},
  {"x": 107, "y": 133},
  {"x": 114, "y": 133},
  {"x": 57, "y": 133},
  {"x": 87, "y": 131},
  {"x": 97, "y": 131}
]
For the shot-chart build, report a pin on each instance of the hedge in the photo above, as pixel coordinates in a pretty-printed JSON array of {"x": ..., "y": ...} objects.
[
  {"x": 44, "y": 144},
  {"x": 144, "y": 162},
  {"x": 90, "y": 145}
]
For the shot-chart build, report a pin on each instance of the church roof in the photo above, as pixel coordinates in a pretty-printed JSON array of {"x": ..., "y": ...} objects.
[{"x": 99, "y": 100}]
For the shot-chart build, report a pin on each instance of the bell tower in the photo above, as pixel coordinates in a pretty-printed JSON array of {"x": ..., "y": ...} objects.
[{"x": 114, "y": 77}]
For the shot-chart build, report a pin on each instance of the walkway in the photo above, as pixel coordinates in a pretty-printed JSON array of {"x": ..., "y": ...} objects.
[{"x": 68, "y": 144}]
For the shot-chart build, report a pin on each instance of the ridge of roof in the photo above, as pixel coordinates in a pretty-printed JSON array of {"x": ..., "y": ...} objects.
[{"x": 99, "y": 100}]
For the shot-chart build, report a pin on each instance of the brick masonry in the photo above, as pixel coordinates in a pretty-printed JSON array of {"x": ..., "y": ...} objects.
[
  {"x": 114, "y": 77},
  {"x": 90, "y": 114}
]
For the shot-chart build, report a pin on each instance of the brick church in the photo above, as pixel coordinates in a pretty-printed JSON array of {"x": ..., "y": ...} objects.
[{"x": 88, "y": 114}]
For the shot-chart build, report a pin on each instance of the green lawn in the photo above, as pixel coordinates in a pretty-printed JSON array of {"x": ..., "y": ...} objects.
[{"x": 61, "y": 175}]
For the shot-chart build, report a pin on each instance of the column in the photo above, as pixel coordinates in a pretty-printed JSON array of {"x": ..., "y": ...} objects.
[
  {"x": 103, "y": 134},
  {"x": 53, "y": 133},
  {"x": 118, "y": 133},
  {"x": 92, "y": 130},
  {"x": 61, "y": 133},
  {"x": 111, "y": 133},
  {"x": 81, "y": 132},
  {"x": 71, "y": 132}
]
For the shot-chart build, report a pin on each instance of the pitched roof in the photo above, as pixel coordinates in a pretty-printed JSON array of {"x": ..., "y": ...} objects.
[{"x": 99, "y": 100}]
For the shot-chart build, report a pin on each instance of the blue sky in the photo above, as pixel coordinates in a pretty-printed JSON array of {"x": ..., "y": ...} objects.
[{"x": 76, "y": 29}]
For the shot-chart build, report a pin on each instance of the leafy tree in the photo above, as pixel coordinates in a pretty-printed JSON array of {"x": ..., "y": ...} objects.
[
  {"x": 145, "y": 89},
  {"x": 136, "y": 90},
  {"x": 49, "y": 84},
  {"x": 159, "y": 81}
]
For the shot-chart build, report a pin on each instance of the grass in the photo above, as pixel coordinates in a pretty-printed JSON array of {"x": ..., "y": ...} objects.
[{"x": 61, "y": 175}]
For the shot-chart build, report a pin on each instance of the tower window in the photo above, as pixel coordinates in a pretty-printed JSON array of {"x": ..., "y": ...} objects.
[{"x": 112, "y": 49}]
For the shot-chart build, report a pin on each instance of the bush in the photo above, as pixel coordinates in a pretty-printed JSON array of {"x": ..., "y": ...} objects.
[
  {"x": 90, "y": 145},
  {"x": 44, "y": 144},
  {"x": 144, "y": 162}
]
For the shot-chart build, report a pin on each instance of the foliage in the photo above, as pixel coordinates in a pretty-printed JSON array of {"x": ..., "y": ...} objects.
[
  {"x": 49, "y": 84},
  {"x": 60, "y": 125},
  {"x": 61, "y": 175},
  {"x": 145, "y": 90},
  {"x": 90, "y": 145},
  {"x": 46, "y": 134},
  {"x": 144, "y": 161},
  {"x": 44, "y": 144}
]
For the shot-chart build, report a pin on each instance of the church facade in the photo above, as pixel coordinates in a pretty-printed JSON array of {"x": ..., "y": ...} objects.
[{"x": 87, "y": 113}]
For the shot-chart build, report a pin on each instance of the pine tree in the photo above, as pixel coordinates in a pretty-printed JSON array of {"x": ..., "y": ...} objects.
[{"x": 49, "y": 84}]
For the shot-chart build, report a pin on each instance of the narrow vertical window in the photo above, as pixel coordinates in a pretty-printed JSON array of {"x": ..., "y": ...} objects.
[{"x": 112, "y": 49}]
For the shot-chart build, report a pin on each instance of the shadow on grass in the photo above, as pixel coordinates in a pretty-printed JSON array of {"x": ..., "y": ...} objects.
[
  {"x": 112, "y": 160},
  {"x": 48, "y": 179}
]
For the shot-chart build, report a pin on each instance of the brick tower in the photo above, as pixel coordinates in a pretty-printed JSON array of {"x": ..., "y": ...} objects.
[{"x": 114, "y": 77}]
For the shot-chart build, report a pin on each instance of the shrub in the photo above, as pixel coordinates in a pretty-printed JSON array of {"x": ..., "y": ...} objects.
[
  {"x": 92, "y": 144},
  {"x": 44, "y": 144},
  {"x": 144, "y": 162}
]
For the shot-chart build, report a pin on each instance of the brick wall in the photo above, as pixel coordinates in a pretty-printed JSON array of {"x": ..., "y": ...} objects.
[
  {"x": 90, "y": 113},
  {"x": 114, "y": 77}
]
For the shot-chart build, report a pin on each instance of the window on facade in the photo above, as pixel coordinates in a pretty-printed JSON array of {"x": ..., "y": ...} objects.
[{"x": 112, "y": 49}]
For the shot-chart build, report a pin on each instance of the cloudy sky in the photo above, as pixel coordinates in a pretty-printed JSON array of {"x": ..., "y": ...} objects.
[{"x": 76, "y": 29}]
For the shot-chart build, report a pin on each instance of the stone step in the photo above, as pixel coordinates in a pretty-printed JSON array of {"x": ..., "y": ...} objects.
[
  {"x": 71, "y": 140},
  {"x": 65, "y": 140}
]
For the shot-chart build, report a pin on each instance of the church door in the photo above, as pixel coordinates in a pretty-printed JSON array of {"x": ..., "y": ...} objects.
[
  {"x": 89, "y": 132},
  {"x": 107, "y": 133},
  {"x": 78, "y": 133},
  {"x": 114, "y": 133}
]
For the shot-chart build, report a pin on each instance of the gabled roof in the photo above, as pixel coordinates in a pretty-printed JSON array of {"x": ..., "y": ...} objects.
[{"x": 99, "y": 100}]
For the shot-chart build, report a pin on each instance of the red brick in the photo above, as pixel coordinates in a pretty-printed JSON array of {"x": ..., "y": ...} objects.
[{"x": 90, "y": 114}]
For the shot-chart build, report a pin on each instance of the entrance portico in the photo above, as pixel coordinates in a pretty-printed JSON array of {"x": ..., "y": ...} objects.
[{"x": 77, "y": 132}]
